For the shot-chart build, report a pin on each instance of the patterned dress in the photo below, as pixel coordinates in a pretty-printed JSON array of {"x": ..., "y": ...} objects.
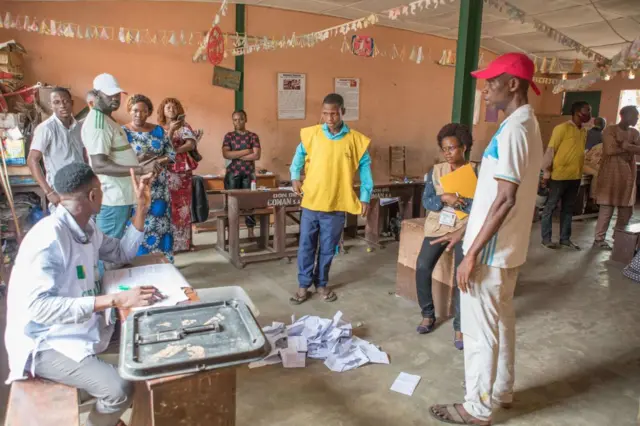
[
  {"x": 158, "y": 236},
  {"x": 180, "y": 185},
  {"x": 617, "y": 174}
]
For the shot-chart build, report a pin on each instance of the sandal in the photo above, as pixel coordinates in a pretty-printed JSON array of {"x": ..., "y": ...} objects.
[
  {"x": 455, "y": 414},
  {"x": 298, "y": 300},
  {"x": 459, "y": 344},
  {"x": 121, "y": 423},
  {"x": 329, "y": 296}
]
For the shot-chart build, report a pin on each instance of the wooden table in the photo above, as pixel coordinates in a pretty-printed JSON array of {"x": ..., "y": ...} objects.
[
  {"x": 201, "y": 399},
  {"x": 241, "y": 202},
  {"x": 215, "y": 184},
  {"x": 409, "y": 206}
]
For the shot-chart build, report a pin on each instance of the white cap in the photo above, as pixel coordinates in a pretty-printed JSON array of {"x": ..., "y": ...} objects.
[{"x": 107, "y": 84}]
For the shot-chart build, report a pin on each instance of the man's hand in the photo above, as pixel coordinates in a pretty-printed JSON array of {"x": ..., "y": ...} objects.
[
  {"x": 142, "y": 188},
  {"x": 450, "y": 239},
  {"x": 463, "y": 273},
  {"x": 154, "y": 166},
  {"x": 138, "y": 297},
  {"x": 544, "y": 183},
  {"x": 453, "y": 200},
  {"x": 297, "y": 187},
  {"x": 365, "y": 209},
  {"x": 54, "y": 198}
]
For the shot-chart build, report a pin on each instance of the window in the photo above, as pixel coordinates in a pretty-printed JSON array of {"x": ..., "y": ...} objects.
[
  {"x": 592, "y": 97},
  {"x": 628, "y": 97}
]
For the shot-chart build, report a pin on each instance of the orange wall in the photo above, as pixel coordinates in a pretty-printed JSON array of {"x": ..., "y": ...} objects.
[{"x": 401, "y": 103}]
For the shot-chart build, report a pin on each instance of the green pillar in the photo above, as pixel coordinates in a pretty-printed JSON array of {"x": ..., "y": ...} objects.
[
  {"x": 467, "y": 53},
  {"x": 240, "y": 29}
]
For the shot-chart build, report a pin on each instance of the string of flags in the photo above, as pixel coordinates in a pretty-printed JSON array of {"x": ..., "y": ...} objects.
[{"x": 415, "y": 7}]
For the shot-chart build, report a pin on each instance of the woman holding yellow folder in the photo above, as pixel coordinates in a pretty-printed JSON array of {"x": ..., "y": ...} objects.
[{"x": 446, "y": 212}]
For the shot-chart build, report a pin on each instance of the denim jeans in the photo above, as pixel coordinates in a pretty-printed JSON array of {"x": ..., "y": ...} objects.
[
  {"x": 314, "y": 262},
  {"x": 112, "y": 221},
  {"x": 427, "y": 259},
  {"x": 565, "y": 192}
]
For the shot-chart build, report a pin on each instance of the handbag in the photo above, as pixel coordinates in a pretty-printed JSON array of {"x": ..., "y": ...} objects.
[{"x": 194, "y": 154}]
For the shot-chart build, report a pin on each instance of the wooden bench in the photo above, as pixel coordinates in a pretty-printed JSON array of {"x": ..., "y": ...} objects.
[
  {"x": 37, "y": 402},
  {"x": 626, "y": 242}
]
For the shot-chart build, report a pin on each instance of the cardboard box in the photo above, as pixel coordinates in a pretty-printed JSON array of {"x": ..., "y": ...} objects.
[
  {"x": 15, "y": 152},
  {"x": 9, "y": 120},
  {"x": 411, "y": 237}
]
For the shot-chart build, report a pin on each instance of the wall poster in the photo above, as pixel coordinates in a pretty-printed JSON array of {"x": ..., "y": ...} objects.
[
  {"x": 292, "y": 96},
  {"x": 349, "y": 88}
]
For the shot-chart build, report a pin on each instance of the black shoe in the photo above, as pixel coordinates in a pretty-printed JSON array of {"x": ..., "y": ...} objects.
[
  {"x": 570, "y": 245},
  {"x": 549, "y": 245}
]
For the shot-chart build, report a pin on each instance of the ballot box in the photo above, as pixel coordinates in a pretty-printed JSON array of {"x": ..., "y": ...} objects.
[{"x": 411, "y": 237}]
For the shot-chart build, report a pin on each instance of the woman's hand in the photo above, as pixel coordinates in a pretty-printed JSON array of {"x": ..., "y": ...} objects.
[
  {"x": 453, "y": 200},
  {"x": 175, "y": 126},
  {"x": 144, "y": 157}
]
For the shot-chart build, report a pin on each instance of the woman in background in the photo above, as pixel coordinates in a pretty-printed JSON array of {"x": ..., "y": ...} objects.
[
  {"x": 150, "y": 141},
  {"x": 171, "y": 117},
  {"x": 454, "y": 140}
]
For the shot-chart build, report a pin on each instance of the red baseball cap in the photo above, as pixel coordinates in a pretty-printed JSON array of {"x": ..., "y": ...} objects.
[{"x": 516, "y": 64}]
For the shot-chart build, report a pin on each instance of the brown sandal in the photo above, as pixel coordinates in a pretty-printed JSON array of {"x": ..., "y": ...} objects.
[
  {"x": 296, "y": 299},
  {"x": 329, "y": 296},
  {"x": 455, "y": 414}
]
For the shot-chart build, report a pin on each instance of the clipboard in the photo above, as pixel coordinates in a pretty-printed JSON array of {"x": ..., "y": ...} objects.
[{"x": 463, "y": 181}]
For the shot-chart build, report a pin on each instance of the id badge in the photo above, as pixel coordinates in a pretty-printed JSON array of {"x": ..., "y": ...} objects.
[{"x": 448, "y": 217}]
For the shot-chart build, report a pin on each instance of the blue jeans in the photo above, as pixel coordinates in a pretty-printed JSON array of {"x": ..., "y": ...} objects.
[
  {"x": 565, "y": 192},
  {"x": 314, "y": 262},
  {"x": 112, "y": 221}
]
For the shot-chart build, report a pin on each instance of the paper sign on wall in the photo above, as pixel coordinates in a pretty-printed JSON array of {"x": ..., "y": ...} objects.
[
  {"x": 291, "y": 96},
  {"x": 476, "y": 107},
  {"x": 349, "y": 88}
]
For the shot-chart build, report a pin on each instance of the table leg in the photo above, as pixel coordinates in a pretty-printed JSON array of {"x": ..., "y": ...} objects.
[
  {"x": 234, "y": 232},
  {"x": 221, "y": 226},
  {"x": 263, "y": 241},
  {"x": 280, "y": 230},
  {"x": 372, "y": 228},
  {"x": 352, "y": 226}
]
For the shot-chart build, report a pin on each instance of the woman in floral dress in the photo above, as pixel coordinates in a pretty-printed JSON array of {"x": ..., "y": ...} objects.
[
  {"x": 148, "y": 141},
  {"x": 171, "y": 116}
]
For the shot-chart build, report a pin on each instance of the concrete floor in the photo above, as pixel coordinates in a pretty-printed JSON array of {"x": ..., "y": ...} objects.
[
  {"x": 578, "y": 347},
  {"x": 578, "y": 342}
]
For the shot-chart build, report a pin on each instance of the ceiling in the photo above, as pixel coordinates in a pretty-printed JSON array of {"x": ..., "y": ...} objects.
[{"x": 577, "y": 19}]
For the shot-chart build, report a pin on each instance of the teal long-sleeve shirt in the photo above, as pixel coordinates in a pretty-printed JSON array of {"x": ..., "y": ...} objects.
[{"x": 364, "y": 166}]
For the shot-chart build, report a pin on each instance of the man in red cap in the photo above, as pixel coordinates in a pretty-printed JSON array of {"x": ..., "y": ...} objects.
[{"x": 496, "y": 241}]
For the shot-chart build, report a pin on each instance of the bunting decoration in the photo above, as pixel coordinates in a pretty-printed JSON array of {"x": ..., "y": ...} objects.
[{"x": 415, "y": 7}]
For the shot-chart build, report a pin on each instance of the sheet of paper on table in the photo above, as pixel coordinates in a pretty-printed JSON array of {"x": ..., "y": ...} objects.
[
  {"x": 389, "y": 201},
  {"x": 165, "y": 277},
  {"x": 405, "y": 383}
]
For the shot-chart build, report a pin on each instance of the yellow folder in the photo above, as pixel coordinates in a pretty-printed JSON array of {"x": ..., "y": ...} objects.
[{"x": 463, "y": 181}]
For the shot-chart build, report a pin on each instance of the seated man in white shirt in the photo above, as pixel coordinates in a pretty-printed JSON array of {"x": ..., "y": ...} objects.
[{"x": 56, "y": 310}]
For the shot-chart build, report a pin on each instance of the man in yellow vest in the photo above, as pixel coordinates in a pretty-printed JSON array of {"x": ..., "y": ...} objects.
[{"x": 331, "y": 154}]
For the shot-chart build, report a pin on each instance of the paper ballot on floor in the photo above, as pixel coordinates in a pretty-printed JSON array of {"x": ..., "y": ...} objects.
[{"x": 405, "y": 384}]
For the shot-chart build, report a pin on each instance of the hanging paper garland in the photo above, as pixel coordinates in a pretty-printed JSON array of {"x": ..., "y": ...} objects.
[{"x": 215, "y": 45}]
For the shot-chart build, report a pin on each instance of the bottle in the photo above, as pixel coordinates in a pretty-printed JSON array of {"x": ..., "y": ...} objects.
[{"x": 253, "y": 185}]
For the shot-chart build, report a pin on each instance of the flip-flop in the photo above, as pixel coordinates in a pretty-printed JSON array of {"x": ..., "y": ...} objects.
[
  {"x": 298, "y": 300},
  {"x": 329, "y": 297},
  {"x": 451, "y": 414},
  {"x": 121, "y": 423}
]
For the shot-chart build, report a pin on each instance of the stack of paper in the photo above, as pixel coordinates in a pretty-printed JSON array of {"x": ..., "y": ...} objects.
[
  {"x": 319, "y": 338},
  {"x": 405, "y": 383}
]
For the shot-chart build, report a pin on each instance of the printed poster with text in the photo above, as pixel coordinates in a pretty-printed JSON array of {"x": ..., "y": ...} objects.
[
  {"x": 291, "y": 96},
  {"x": 349, "y": 88}
]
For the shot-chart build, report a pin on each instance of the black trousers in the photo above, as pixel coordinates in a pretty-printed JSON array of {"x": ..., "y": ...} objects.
[
  {"x": 232, "y": 181},
  {"x": 427, "y": 259}
]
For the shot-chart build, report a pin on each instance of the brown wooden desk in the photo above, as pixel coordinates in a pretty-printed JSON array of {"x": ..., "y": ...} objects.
[
  {"x": 409, "y": 194},
  {"x": 216, "y": 184},
  {"x": 201, "y": 399},
  {"x": 241, "y": 202}
]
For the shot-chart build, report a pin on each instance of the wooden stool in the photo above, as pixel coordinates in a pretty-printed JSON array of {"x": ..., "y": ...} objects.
[
  {"x": 37, "y": 402},
  {"x": 625, "y": 243}
]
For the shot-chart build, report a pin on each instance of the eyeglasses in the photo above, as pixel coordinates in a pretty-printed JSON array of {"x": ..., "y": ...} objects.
[{"x": 450, "y": 148}]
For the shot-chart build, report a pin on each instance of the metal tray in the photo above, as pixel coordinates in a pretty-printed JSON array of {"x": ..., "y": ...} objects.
[{"x": 189, "y": 338}]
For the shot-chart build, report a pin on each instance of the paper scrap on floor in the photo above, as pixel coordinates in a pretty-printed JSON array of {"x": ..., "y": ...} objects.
[
  {"x": 330, "y": 340},
  {"x": 405, "y": 383},
  {"x": 165, "y": 277}
]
